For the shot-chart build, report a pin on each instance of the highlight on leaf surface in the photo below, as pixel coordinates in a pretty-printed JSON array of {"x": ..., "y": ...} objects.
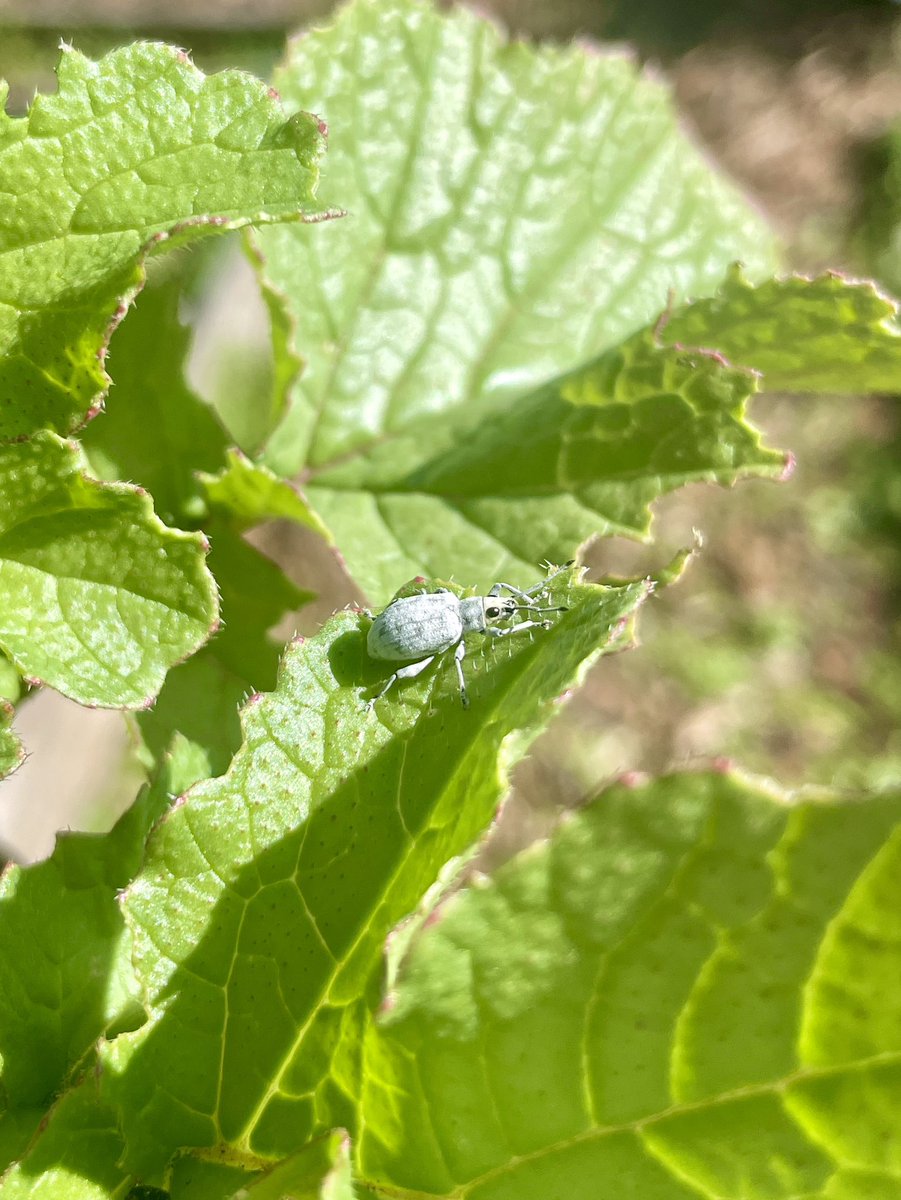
[
  {"x": 139, "y": 147},
  {"x": 97, "y": 597}
]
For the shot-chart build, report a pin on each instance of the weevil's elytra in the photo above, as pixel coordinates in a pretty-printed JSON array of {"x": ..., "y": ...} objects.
[{"x": 418, "y": 629}]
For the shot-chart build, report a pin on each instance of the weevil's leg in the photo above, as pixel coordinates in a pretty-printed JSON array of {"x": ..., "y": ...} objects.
[
  {"x": 458, "y": 663},
  {"x": 495, "y": 590},
  {"x": 408, "y": 672},
  {"x": 528, "y": 595},
  {"x": 495, "y": 631},
  {"x": 539, "y": 587}
]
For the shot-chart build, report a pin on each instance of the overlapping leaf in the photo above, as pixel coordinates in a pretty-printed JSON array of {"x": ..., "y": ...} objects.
[
  {"x": 157, "y": 432},
  {"x": 75, "y": 1156},
  {"x": 691, "y": 989},
  {"x": 249, "y": 493},
  {"x": 321, "y": 1171},
  {"x": 65, "y": 972},
  {"x": 585, "y": 455},
  {"x": 97, "y": 597},
  {"x": 136, "y": 147},
  {"x": 259, "y": 918},
  {"x": 512, "y": 213}
]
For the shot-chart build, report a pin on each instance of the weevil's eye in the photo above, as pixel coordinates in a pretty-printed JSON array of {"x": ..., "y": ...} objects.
[{"x": 492, "y": 611}]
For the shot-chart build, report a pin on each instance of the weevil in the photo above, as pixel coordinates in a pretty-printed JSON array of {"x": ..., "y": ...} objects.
[{"x": 418, "y": 629}]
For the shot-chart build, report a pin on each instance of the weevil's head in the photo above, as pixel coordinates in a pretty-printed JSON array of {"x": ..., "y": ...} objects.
[
  {"x": 499, "y": 608},
  {"x": 478, "y": 612}
]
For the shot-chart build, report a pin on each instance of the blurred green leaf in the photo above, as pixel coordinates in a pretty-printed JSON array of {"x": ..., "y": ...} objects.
[
  {"x": 135, "y": 149},
  {"x": 154, "y": 430},
  {"x": 200, "y": 698},
  {"x": 157, "y": 432},
  {"x": 689, "y": 990}
]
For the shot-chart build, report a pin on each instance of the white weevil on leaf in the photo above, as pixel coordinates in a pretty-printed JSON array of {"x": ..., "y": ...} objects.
[{"x": 417, "y": 629}]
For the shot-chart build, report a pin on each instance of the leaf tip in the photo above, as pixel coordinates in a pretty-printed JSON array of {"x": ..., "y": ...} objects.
[{"x": 788, "y": 468}]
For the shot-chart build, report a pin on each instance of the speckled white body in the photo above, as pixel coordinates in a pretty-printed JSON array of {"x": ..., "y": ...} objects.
[{"x": 414, "y": 626}]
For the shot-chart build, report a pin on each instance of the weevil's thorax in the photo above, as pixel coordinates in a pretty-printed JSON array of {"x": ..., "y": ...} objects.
[{"x": 478, "y": 612}]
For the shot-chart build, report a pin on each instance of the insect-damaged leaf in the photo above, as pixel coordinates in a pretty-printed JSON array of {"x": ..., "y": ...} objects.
[
  {"x": 586, "y": 454},
  {"x": 259, "y": 918},
  {"x": 138, "y": 146},
  {"x": 804, "y": 335},
  {"x": 688, "y": 990},
  {"x": 513, "y": 213}
]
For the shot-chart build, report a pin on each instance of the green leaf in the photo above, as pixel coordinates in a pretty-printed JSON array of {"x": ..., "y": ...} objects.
[
  {"x": 11, "y": 750},
  {"x": 75, "y": 1156},
  {"x": 513, "y": 213},
  {"x": 200, "y": 698},
  {"x": 135, "y": 149},
  {"x": 97, "y": 597},
  {"x": 259, "y": 918},
  {"x": 804, "y": 335},
  {"x": 65, "y": 973},
  {"x": 584, "y": 455},
  {"x": 158, "y": 433},
  {"x": 689, "y": 990},
  {"x": 320, "y": 1171},
  {"x": 250, "y": 493},
  {"x": 154, "y": 429}
]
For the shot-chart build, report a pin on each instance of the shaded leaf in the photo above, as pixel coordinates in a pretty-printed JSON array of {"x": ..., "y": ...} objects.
[
  {"x": 157, "y": 432},
  {"x": 75, "y": 1157},
  {"x": 65, "y": 969},
  {"x": 154, "y": 430},
  {"x": 200, "y": 698}
]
